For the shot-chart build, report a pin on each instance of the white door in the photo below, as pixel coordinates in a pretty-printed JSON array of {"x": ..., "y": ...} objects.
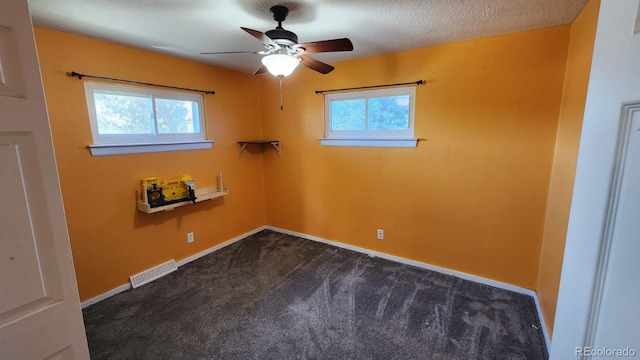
[
  {"x": 40, "y": 316},
  {"x": 598, "y": 312}
]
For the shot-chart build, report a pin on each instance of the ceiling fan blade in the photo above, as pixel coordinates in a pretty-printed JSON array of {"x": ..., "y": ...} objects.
[
  {"x": 231, "y": 52},
  {"x": 316, "y": 65},
  {"x": 343, "y": 44},
  {"x": 262, "y": 37},
  {"x": 261, "y": 70}
]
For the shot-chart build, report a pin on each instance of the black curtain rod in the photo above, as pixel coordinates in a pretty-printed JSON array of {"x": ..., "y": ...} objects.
[
  {"x": 419, "y": 82},
  {"x": 80, "y": 76}
]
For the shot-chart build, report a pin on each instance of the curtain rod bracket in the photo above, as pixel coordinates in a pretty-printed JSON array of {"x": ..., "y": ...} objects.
[{"x": 80, "y": 76}]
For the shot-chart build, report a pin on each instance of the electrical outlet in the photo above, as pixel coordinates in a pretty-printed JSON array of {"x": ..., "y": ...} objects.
[
  {"x": 380, "y": 234},
  {"x": 190, "y": 237}
]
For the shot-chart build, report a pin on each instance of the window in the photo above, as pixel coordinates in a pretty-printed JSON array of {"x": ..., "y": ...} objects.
[
  {"x": 128, "y": 119},
  {"x": 382, "y": 118}
]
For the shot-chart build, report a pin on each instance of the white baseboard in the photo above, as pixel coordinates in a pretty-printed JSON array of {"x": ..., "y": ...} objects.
[
  {"x": 543, "y": 323},
  {"x": 106, "y": 295},
  {"x": 219, "y": 246},
  {"x": 127, "y": 286},
  {"x": 458, "y": 274}
]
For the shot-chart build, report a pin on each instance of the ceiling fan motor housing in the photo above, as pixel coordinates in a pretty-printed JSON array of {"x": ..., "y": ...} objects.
[{"x": 282, "y": 34}]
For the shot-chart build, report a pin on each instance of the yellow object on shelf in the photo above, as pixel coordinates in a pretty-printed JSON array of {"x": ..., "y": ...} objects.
[
  {"x": 156, "y": 193},
  {"x": 149, "y": 181},
  {"x": 178, "y": 189}
]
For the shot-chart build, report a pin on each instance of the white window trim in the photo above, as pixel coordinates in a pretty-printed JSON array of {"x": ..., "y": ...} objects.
[
  {"x": 390, "y": 143},
  {"x": 123, "y": 149},
  {"x": 371, "y": 138},
  {"x": 136, "y": 144}
]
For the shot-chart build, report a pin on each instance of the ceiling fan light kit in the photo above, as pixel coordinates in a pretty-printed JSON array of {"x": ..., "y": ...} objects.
[{"x": 280, "y": 65}]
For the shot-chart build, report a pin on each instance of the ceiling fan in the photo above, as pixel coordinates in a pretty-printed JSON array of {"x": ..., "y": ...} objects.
[{"x": 282, "y": 52}]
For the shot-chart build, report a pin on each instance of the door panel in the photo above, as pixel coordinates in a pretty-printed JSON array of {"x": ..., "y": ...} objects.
[
  {"x": 11, "y": 81},
  {"x": 20, "y": 277},
  {"x": 40, "y": 316},
  {"x": 618, "y": 311}
]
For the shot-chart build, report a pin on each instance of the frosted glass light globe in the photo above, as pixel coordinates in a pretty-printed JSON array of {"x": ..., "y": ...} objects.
[{"x": 280, "y": 64}]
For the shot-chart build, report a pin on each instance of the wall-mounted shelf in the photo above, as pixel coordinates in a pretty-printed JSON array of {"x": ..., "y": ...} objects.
[
  {"x": 203, "y": 194},
  {"x": 262, "y": 143}
]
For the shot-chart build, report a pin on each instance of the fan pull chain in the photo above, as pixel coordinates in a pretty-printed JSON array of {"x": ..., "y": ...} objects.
[{"x": 281, "y": 107}]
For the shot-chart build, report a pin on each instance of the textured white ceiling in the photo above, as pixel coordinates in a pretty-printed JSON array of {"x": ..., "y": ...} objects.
[{"x": 185, "y": 28}]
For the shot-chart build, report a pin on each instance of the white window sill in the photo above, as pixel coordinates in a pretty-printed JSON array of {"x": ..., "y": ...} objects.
[
  {"x": 396, "y": 142},
  {"x": 122, "y": 149}
]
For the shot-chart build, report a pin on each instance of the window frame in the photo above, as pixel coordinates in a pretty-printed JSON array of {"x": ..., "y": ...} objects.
[
  {"x": 115, "y": 144},
  {"x": 370, "y": 137}
]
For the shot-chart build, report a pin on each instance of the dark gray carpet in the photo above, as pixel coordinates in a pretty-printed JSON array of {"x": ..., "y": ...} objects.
[{"x": 275, "y": 296}]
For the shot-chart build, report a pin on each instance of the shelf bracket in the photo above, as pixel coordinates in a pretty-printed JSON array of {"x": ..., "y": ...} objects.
[
  {"x": 276, "y": 145},
  {"x": 241, "y": 147}
]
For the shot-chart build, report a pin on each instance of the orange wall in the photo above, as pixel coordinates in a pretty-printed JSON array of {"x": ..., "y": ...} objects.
[
  {"x": 109, "y": 238},
  {"x": 583, "y": 32},
  {"x": 470, "y": 197}
]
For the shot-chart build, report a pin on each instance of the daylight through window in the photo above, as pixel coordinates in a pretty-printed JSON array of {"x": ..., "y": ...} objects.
[
  {"x": 126, "y": 114},
  {"x": 370, "y": 118}
]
